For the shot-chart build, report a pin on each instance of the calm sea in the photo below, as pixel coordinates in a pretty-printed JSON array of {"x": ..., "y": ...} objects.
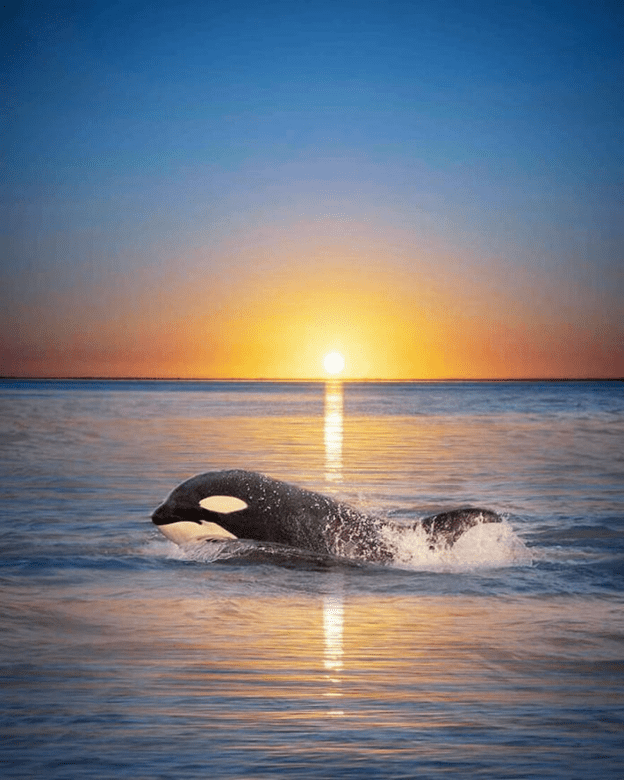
[{"x": 121, "y": 657}]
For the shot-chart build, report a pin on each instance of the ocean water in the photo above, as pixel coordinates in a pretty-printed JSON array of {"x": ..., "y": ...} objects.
[{"x": 124, "y": 656}]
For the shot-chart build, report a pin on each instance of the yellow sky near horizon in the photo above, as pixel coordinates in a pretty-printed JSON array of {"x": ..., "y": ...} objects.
[{"x": 414, "y": 319}]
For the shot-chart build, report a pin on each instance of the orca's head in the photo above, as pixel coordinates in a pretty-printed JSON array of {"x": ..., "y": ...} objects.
[{"x": 193, "y": 513}]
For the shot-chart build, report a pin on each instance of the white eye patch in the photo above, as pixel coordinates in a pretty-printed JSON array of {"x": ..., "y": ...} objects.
[{"x": 223, "y": 504}]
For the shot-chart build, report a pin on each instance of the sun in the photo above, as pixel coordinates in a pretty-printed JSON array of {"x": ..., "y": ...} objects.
[{"x": 334, "y": 362}]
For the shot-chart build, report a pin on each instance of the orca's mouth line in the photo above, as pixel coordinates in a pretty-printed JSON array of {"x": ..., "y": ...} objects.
[{"x": 160, "y": 519}]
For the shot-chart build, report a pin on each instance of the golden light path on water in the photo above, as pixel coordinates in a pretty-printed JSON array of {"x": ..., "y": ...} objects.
[
  {"x": 333, "y": 430},
  {"x": 333, "y": 602},
  {"x": 333, "y": 633},
  {"x": 365, "y": 657}
]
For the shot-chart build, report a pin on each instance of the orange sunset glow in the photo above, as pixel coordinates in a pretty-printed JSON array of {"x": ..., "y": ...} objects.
[{"x": 418, "y": 320}]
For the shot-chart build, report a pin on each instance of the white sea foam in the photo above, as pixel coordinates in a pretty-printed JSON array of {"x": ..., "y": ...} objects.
[
  {"x": 484, "y": 546},
  {"x": 159, "y": 548},
  {"x": 208, "y": 551}
]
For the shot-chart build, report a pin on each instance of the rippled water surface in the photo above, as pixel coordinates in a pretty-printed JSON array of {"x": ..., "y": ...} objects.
[{"x": 124, "y": 656}]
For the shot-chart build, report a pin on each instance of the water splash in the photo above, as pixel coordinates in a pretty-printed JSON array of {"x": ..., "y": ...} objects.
[
  {"x": 205, "y": 552},
  {"x": 485, "y": 546}
]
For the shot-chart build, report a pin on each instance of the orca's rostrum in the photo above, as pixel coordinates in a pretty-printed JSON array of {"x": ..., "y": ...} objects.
[{"x": 243, "y": 505}]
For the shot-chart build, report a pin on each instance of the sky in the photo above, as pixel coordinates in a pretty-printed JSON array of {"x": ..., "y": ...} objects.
[{"x": 234, "y": 189}]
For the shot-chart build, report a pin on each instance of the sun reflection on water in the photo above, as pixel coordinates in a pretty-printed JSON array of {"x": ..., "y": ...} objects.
[
  {"x": 333, "y": 631},
  {"x": 333, "y": 618},
  {"x": 333, "y": 429}
]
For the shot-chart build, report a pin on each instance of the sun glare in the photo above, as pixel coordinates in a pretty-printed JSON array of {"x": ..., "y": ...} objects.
[{"x": 333, "y": 362}]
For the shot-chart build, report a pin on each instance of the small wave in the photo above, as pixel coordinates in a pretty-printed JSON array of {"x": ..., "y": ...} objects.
[
  {"x": 204, "y": 551},
  {"x": 485, "y": 546},
  {"x": 158, "y": 548},
  {"x": 209, "y": 551},
  {"x": 245, "y": 551}
]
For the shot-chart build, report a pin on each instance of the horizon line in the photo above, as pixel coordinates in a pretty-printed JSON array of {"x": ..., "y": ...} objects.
[{"x": 102, "y": 378}]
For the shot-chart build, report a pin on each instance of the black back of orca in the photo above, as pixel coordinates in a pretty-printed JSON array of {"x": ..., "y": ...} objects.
[
  {"x": 451, "y": 525},
  {"x": 252, "y": 506},
  {"x": 272, "y": 511}
]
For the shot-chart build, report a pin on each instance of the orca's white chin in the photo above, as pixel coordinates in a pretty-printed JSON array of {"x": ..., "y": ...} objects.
[{"x": 185, "y": 531}]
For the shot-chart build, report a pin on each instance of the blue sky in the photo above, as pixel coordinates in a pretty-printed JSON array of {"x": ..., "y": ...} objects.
[{"x": 474, "y": 149}]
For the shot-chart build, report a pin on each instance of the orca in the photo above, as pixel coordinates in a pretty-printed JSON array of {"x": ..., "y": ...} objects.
[{"x": 229, "y": 506}]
